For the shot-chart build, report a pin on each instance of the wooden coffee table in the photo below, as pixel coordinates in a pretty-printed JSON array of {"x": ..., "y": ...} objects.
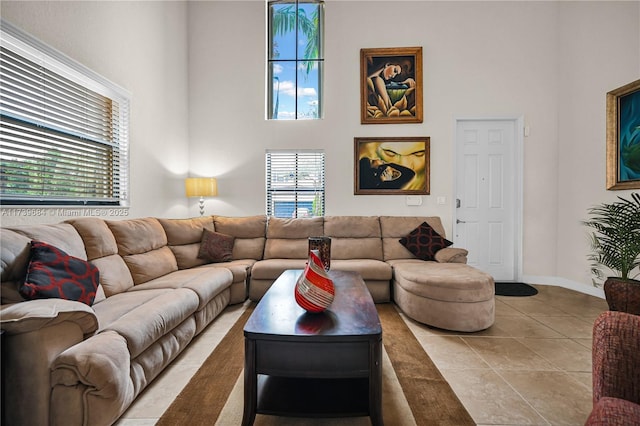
[{"x": 314, "y": 365}]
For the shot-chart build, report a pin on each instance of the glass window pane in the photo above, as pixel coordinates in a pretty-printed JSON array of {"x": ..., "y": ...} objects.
[
  {"x": 283, "y": 26},
  {"x": 283, "y": 98},
  {"x": 309, "y": 15},
  {"x": 308, "y": 89}
]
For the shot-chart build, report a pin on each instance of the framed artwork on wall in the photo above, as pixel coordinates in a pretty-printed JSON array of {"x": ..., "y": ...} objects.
[
  {"x": 397, "y": 166},
  {"x": 391, "y": 85},
  {"x": 623, "y": 137}
]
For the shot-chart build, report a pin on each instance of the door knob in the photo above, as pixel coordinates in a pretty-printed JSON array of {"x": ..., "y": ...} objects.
[{"x": 460, "y": 221}]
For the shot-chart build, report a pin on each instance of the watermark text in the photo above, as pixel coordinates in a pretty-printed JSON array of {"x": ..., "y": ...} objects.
[{"x": 63, "y": 212}]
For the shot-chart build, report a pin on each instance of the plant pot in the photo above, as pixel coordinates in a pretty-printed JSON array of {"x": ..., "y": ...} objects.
[{"x": 623, "y": 295}]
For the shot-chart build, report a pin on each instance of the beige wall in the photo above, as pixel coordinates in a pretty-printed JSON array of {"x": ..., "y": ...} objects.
[
  {"x": 202, "y": 66},
  {"x": 598, "y": 50},
  {"x": 140, "y": 46}
]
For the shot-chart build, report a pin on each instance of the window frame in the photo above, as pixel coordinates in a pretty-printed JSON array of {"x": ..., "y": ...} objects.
[
  {"x": 300, "y": 194},
  {"x": 106, "y": 173},
  {"x": 273, "y": 82}
]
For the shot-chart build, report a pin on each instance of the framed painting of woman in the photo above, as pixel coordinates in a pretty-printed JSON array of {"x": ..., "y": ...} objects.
[
  {"x": 391, "y": 166},
  {"x": 623, "y": 137},
  {"x": 391, "y": 85}
]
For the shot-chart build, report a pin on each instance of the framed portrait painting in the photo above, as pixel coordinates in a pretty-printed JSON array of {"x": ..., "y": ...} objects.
[
  {"x": 391, "y": 85},
  {"x": 398, "y": 166},
  {"x": 623, "y": 137}
]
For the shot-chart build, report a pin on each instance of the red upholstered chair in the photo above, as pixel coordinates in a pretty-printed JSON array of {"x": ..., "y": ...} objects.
[{"x": 616, "y": 370}]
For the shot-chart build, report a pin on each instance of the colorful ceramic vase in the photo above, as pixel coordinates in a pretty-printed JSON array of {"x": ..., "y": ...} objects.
[{"x": 314, "y": 289}]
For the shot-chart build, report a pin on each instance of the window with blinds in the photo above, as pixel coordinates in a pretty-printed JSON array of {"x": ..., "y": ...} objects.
[
  {"x": 295, "y": 183},
  {"x": 63, "y": 128}
]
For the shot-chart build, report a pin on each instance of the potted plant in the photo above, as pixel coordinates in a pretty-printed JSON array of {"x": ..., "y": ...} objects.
[{"x": 615, "y": 242}]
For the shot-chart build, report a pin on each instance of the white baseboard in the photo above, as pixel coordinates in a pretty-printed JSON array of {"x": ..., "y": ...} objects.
[{"x": 563, "y": 282}]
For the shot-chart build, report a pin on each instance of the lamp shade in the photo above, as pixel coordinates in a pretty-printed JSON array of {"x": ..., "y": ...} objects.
[{"x": 201, "y": 187}]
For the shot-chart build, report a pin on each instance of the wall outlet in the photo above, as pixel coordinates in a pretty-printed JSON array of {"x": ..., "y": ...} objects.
[
  {"x": 414, "y": 200},
  {"x": 441, "y": 200}
]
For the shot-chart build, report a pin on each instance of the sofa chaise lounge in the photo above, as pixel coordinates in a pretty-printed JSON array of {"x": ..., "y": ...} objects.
[{"x": 74, "y": 363}]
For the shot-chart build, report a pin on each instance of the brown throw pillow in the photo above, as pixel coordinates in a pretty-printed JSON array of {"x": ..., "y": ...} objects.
[
  {"x": 424, "y": 242},
  {"x": 216, "y": 247}
]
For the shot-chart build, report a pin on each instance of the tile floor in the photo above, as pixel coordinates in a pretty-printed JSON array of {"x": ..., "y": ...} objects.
[{"x": 532, "y": 367}]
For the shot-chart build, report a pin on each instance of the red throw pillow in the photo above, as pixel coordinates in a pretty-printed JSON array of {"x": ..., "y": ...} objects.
[
  {"x": 424, "y": 242},
  {"x": 216, "y": 247},
  {"x": 52, "y": 273}
]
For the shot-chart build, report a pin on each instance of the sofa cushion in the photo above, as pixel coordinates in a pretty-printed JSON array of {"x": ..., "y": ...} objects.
[
  {"x": 206, "y": 283},
  {"x": 142, "y": 243},
  {"x": 395, "y": 227},
  {"x": 614, "y": 411},
  {"x": 295, "y": 228},
  {"x": 185, "y": 231},
  {"x": 249, "y": 231},
  {"x": 15, "y": 251},
  {"x": 98, "y": 238},
  {"x": 216, "y": 247},
  {"x": 52, "y": 273},
  {"x": 354, "y": 237},
  {"x": 187, "y": 255},
  {"x": 150, "y": 265},
  {"x": 352, "y": 226},
  {"x": 144, "y": 325},
  {"x": 369, "y": 269},
  {"x": 451, "y": 255},
  {"x": 450, "y": 282},
  {"x": 102, "y": 251},
  {"x": 62, "y": 235},
  {"x": 289, "y": 238},
  {"x": 119, "y": 304},
  {"x": 424, "y": 242},
  {"x": 137, "y": 236},
  {"x": 14, "y": 259},
  {"x": 270, "y": 269},
  {"x": 183, "y": 238},
  {"x": 240, "y": 269},
  {"x": 115, "y": 276}
]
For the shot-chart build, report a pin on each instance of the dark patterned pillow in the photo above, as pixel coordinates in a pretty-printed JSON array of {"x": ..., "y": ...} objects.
[
  {"x": 216, "y": 247},
  {"x": 52, "y": 273},
  {"x": 424, "y": 242}
]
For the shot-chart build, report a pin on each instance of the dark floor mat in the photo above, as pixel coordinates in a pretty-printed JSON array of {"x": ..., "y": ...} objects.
[{"x": 515, "y": 289}]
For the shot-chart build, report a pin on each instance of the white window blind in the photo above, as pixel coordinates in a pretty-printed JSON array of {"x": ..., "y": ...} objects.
[
  {"x": 295, "y": 183},
  {"x": 63, "y": 128}
]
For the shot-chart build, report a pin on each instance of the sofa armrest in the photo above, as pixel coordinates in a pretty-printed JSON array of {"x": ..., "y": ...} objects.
[
  {"x": 94, "y": 378},
  {"x": 32, "y": 315},
  {"x": 36, "y": 332},
  {"x": 616, "y": 359},
  {"x": 451, "y": 255}
]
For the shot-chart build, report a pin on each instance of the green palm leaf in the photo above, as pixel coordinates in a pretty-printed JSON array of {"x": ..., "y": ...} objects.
[
  {"x": 284, "y": 21},
  {"x": 615, "y": 241}
]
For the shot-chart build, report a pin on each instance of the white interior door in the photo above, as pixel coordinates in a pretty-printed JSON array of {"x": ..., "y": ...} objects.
[{"x": 487, "y": 192}]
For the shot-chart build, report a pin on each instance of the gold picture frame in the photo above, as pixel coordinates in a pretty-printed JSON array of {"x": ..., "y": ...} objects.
[
  {"x": 391, "y": 85},
  {"x": 623, "y": 137},
  {"x": 392, "y": 166}
]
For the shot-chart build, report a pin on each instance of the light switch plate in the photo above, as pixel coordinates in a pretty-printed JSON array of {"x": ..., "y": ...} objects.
[{"x": 441, "y": 200}]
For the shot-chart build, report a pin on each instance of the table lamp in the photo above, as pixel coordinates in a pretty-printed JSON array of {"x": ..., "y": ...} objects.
[{"x": 201, "y": 187}]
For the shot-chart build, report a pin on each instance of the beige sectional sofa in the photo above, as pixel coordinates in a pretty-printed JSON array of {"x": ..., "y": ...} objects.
[{"x": 73, "y": 364}]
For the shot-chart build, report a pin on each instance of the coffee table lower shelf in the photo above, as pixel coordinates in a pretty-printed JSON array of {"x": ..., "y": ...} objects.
[{"x": 312, "y": 397}]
